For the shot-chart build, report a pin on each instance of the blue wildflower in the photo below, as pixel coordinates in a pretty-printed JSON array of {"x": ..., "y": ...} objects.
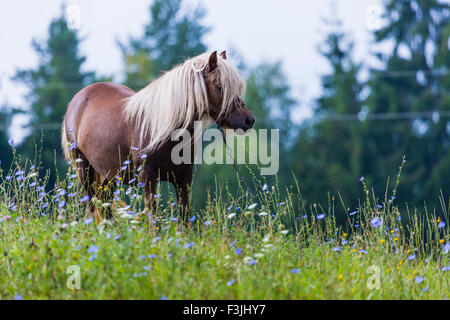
[
  {"x": 296, "y": 270},
  {"x": 192, "y": 219},
  {"x": 375, "y": 222},
  {"x": 230, "y": 283},
  {"x": 320, "y": 216},
  {"x": 93, "y": 249},
  {"x": 237, "y": 251},
  {"x": 419, "y": 279},
  {"x": 88, "y": 221},
  {"x": 252, "y": 262},
  {"x": 446, "y": 248},
  {"x": 188, "y": 245},
  {"x": 441, "y": 225}
]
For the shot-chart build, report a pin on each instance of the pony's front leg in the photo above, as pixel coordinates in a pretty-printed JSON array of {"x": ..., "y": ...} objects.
[
  {"x": 149, "y": 196},
  {"x": 183, "y": 200}
]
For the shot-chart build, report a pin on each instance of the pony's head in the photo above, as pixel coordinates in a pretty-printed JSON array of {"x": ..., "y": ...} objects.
[
  {"x": 225, "y": 88},
  {"x": 206, "y": 87}
]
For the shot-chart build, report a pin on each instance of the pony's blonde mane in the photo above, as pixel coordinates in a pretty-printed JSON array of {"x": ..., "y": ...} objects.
[{"x": 172, "y": 101}]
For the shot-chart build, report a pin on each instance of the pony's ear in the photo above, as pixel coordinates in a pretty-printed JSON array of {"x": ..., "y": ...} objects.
[
  {"x": 223, "y": 54},
  {"x": 212, "y": 63}
]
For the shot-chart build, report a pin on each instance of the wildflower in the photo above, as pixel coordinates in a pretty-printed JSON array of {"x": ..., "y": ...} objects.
[
  {"x": 11, "y": 142},
  {"x": 446, "y": 248},
  {"x": 353, "y": 213},
  {"x": 143, "y": 156},
  {"x": 411, "y": 257},
  {"x": 379, "y": 206},
  {"x": 62, "y": 204},
  {"x": 361, "y": 179},
  {"x": 320, "y": 216},
  {"x": 207, "y": 223},
  {"x": 441, "y": 241},
  {"x": 447, "y": 268},
  {"x": 192, "y": 219},
  {"x": 441, "y": 225},
  {"x": 92, "y": 257},
  {"x": 296, "y": 270},
  {"x": 382, "y": 241},
  {"x": 188, "y": 245},
  {"x": 265, "y": 187},
  {"x": 231, "y": 215},
  {"x": 93, "y": 249},
  {"x": 78, "y": 160},
  {"x": 419, "y": 279},
  {"x": 284, "y": 231},
  {"x": 252, "y": 206},
  {"x": 376, "y": 222},
  {"x": 142, "y": 257},
  {"x": 72, "y": 146},
  {"x": 230, "y": 283},
  {"x": 252, "y": 262},
  {"x": 85, "y": 198},
  {"x": 425, "y": 289},
  {"x": 155, "y": 239},
  {"x": 17, "y": 296},
  {"x": 126, "y": 162},
  {"x": 363, "y": 251},
  {"x": 263, "y": 213},
  {"x": 152, "y": 256},
  {"x": 340, "y": 277},
  {"x": 237, "y": 251},
  {"x": 88, "y": 221},
  {"x": 158, "y": 195},
  {"x": 336, "y": 249}
]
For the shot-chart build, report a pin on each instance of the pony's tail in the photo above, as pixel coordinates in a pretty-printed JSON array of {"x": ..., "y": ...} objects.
[{"x": 64, "y": 142}]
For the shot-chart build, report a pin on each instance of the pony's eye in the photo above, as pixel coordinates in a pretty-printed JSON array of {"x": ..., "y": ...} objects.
[{"x": 219, "y": 88}]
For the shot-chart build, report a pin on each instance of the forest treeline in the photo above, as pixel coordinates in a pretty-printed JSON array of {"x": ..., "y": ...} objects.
[{"x": 361, "y": 126}]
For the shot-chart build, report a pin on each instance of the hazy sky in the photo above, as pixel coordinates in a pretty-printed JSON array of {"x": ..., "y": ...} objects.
[{"x": 261, "y": 30}]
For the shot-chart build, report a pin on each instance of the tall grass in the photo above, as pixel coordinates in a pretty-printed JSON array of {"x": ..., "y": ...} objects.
[{"x": 274, "y": 245}]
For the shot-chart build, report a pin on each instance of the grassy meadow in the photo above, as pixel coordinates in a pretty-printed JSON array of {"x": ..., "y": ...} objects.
[{"x": 273, "y": 246}]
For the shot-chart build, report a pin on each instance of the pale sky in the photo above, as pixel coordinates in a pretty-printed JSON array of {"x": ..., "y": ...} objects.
[{"x": 261, "y": 30}]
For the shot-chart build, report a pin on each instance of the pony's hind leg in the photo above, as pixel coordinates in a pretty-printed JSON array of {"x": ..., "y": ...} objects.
[{"x": 86, "y": 176}]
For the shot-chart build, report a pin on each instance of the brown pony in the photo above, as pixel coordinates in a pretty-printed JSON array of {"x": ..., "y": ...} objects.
[{"x": 109, "y": 127}]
